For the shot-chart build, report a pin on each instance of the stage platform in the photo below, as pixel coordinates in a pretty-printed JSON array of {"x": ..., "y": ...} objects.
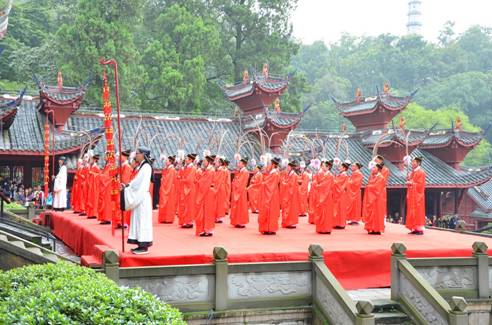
[{"x": 358, "y": 260}]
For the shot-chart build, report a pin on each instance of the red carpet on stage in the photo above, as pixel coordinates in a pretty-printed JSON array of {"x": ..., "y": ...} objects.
[{"x": 358, "y": 260}]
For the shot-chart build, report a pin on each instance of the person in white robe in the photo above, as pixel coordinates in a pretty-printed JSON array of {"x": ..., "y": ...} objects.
[
  {"x": 60, "y": 186},
  {"x": 137, "y": 198}
]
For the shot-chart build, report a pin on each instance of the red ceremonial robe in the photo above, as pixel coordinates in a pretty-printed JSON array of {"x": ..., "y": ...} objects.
[
  {"x": 324, "y": 208},
  {"x": 313, "y": 199},
  {"x": 105, "y": 205},
  {"x": 167, "y": 195},
  {"x": 354, "y": 195},
  {"x": 84, "y": 189},
  {"x": 189, "y": 199},
  {"x": 221, "y": 175},
  {"x": 126, "y": 177},
  {"x": 375, "y": 204},
  {"x": 282, "y": 187},
  {"x": 239, "y": 202},
  {"x": 180, "y": 207},
  {"x": 269, "y": 212},
  {"x": 228, "y": 185},
  {"x": 93, "y": 192},
  {"x": 415, "y": 219},
  {"x": 290, "y": 213},
  {"x": 254, "y": 190},
  {"x": 340, "y": 199},
  {"x": 385, "y": 172},
  {"x": 205, "y": 202},
  {"x": 75, "y": 195},
  {"x": 303, "y": 193}
]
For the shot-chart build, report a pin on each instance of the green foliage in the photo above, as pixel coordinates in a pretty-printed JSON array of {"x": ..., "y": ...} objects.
[
  {"x": 14, "y": 206},
  {"x": 418, "y": 117},
  {"x": 68, "y": 294}
]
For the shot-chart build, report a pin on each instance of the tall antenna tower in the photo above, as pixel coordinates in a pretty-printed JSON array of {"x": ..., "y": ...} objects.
[{"x": 414, "y": 25}]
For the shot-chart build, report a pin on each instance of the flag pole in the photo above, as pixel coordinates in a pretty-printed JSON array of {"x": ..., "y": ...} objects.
[{"x": 114, "y": 65}]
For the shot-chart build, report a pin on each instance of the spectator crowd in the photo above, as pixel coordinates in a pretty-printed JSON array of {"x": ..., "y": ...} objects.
[{"x": 17, "y": 192}]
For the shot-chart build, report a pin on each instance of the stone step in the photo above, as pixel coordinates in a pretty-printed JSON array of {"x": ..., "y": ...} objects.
[
  {"x": 392, "y": 318},
  {"x": 51, "y": 257},
  {"x": 35, "y": 250},
  {"x": 385, "y": 305},
  {"x": 18, "y": 243},
  {"x": 3, "y": 238}
]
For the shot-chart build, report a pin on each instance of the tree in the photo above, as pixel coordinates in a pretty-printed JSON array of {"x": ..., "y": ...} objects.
[
  {"x": 102, "y": 29},
  {"x": 254, "y": 32}
]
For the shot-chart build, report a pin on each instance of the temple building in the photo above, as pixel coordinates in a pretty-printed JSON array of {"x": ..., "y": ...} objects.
[{"x": 259, "y": 127}]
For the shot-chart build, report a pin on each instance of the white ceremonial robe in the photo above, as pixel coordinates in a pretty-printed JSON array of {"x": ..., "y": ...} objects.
[
  {"x": 138, "y": 200},
  {"x": 60, "y": 189}
]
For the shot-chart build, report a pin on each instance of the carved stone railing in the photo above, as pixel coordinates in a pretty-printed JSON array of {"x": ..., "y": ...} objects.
[
  {"x": 418, "y": 297},
  {"x": 224, "y": 287},
  {"x": 331, "y": 304}
]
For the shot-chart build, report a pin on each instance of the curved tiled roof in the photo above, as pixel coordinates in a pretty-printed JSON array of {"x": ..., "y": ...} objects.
[
  {"x": 65, "y": 95},
  {"x": 8, "y": 111},
  {"x": 270, "y": 85},
  {"x": 439, "y": 174},
  {"x": 369, "y": 138},
  {"x": 279, "y": 120},
  {"x": 171, "y": 134},
  {"x": 26, "y": 134},
  {"x": 369, "y": 104},
  {"x": 444, "y": 138},
  {"x": 482, "y": 195},
  {"x": 4, "y": 18}
]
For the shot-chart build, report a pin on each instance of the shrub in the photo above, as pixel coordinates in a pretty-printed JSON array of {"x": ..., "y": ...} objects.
[
  {"x": 64, "y": 293},
  {"x": 14, "y": 206}
]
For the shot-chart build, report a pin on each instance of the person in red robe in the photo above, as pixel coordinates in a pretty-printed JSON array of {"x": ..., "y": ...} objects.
[
  {"x": 75, "y": 195},
  {"x": 270, "y": 200},
  {"x": 303, "y": 190},
  {"x": 221, "y": 174},
  {"x": 105, "y": 204},
  {"x": 84, "y": 187},
  {"x": 93, "y": 191},
  {"x": 180, "y": 204},
  {"x": 374, "y": 222},
  {"x": 324, "y": 208},
  {"x": 290, "y": 212},
  {"x": 205, "y": 203},
  {"x": 228, "y": 184},
  {"x": 340, "y": 197},
  {"x": 415, "y": 219},
  {"x": 125, "y": 177},
  {"x": 282, "y": 191},
  {"x": 354, "y": 185},
  {"x": 188, "y": 182},
  {"x": 254, "y": 190},
  {"x": 313, "y": 198},
  {"x": 386, "y": 173},
  {"x": 167, "y": 192},
  {"x": 239, "y": 201}
]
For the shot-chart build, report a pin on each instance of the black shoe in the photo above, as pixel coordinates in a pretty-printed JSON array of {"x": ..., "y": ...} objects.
[
  {"x": 187, "y": 226},
  {"x": 291, "y": 227},
  {"x": 202, "y": 234},
  {"x": 339, "y": 227},
  {"x": 105, "y": 223},
  {"x": 120, "y": 226},
  {"x": 413, "y": 232},
  {"x": 353, "y": 223},
  {"x": 219, "y": 221},
  {"x": 208, "y": 234},
  {"x": 240, "y": 226},
  {"x": 82, "y": 214},
  {"x": 140, "y": 251},
  {"x": 93, "y": 217},
  {"x": 376, "y": 233},
  {"x": 420, "y": 233},
  {"x": 324, "y": 232}
]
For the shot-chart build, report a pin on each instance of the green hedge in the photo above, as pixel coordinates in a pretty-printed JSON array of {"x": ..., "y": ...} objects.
[
  {"x": 14, "y": 206},
  {"x": 64, "y": 293}
]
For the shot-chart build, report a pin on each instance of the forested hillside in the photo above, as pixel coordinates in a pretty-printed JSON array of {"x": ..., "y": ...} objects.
[{"x": 173, "y": 54}]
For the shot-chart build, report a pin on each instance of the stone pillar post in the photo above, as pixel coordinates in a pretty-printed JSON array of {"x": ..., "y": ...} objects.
[
  {"x": 364, "y": 314},
  {"x": 398, "y": 251},
  {"x": 480, "y": 253},
  {"x": 315, "y": 256},
  {"x": 111, "y": 265},
  {"x": 221, "y": 274},
  {"x": 458, "y": 315}
]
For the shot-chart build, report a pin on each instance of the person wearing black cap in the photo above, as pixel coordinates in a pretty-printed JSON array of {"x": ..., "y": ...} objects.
[
  {"x": 92, "y": 205},
  {"x": 374, "y": 219},
  {"x": 205, "y": 200},
  {"x": 385, "y": 172},
  {"x": 167, "y": 192},
  {"x": 137, "y": 198},
  {"x": 188, "y": 192},
  {"x": 239, "y": 201},
  {"x": 221, "y": 179},
  {"x": 60, "y": 186},
  {"x": 270, "y": 207},
  {"x": 290, "y": 212},
  {"x": 254, "y": 189},
  {"x": 415, "y": 219},
  {"x": 354, "y": 194},
  {"x": 125, "y": 177},
  {"x": 324, "y": 200}
]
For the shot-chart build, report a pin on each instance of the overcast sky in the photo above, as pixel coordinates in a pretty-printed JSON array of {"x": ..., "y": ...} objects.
[{"x": 327, "y": 19}]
